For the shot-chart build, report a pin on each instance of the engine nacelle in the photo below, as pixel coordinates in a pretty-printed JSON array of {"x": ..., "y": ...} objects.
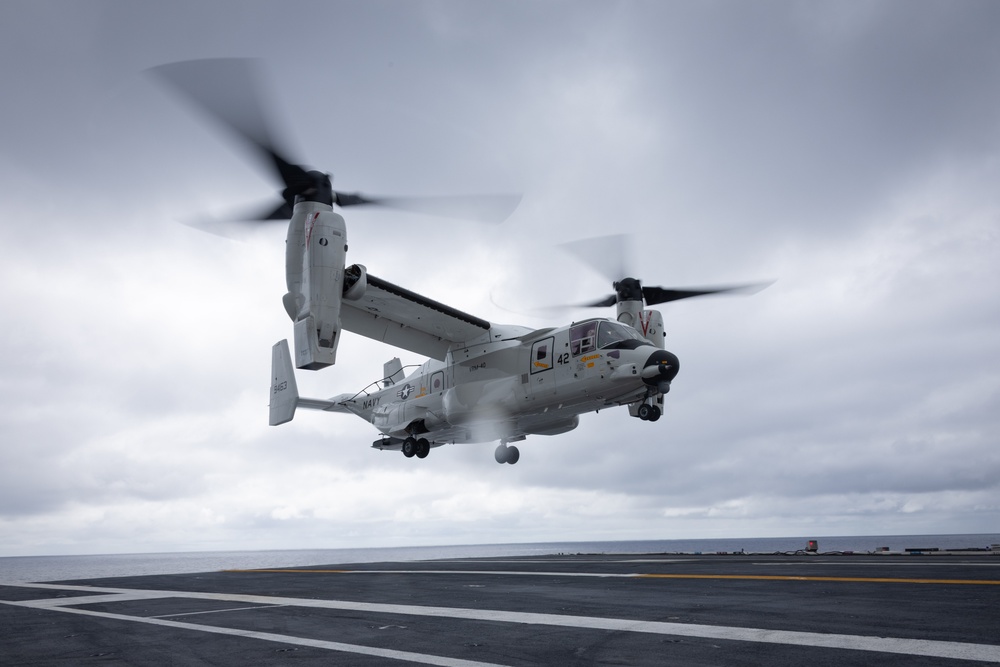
[
  {"x": 355, "y": 281},
  {"x": 650, "y": 324},
  {"x": 647, "y": 322},
  {"x": 316, "y": 252}
]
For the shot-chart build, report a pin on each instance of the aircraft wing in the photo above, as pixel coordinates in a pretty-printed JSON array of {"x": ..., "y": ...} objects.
[{"x": 395, "y": 315}]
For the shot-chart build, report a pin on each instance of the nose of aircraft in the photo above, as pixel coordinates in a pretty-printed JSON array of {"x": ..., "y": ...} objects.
[{"x": 660, "y": 369}]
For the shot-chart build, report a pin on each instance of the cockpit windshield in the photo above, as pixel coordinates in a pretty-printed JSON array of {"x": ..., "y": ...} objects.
[{"x": 612, "y": 334}]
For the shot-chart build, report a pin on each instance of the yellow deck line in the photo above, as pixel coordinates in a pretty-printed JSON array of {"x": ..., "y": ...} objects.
[
  {"x": 292, "y": 571},
  {"x": 862, "y": 580}
]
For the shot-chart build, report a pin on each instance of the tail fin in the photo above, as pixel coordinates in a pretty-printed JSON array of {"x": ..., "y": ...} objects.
[
  {"x": 284, "y": 391},
  {"x": 392, "y": 371}
]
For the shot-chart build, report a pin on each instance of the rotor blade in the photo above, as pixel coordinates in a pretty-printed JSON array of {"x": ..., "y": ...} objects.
[
  {"x": 602, "y": 303},
  {"x": 655, "y": 295},
  {"x": 272, "y": 212},
  {"x": 240, "y": 224},
  {"x": 481, "y": 208},
  {"x": 282, "y": 212},
  {"x": 604, "y": 254},
  {"x": 228, "y": 90}
]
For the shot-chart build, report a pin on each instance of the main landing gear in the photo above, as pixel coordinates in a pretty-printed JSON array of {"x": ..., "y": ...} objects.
[
  {"x": 412, "y": 446},
  {"x": 648, "y": 413},
  {"x": 505, "y": 454}
]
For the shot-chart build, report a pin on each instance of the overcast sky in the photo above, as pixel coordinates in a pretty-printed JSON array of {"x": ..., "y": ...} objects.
[{"x": 848, "y": 151}]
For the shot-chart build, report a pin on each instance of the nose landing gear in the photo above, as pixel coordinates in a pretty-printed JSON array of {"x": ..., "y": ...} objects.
[{"x": 647, "y": 412}]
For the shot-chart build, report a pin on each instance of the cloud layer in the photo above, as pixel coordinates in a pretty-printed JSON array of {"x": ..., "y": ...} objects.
[{"x": 851, "y": 153}]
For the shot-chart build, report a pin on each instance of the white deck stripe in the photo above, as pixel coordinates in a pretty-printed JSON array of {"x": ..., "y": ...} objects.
[
  {"x": 421, "y": 658},
  {"x": 218, "y": 611},
  {"x": 517, "y": 573},
  {"x": 123, "y": 596},
  {"x": 925, "y": 647}
]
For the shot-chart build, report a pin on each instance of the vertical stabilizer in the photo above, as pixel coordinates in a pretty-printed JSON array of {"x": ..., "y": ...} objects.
[
  {"x": 392, "y": 371},
  {"x": 284, "y": 391}
]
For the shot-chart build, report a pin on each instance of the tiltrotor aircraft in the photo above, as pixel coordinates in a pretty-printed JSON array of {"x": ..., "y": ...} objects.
[{"x": 483, "y": 381}]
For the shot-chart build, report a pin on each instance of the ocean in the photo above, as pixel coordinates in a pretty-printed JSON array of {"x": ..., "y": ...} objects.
[{"x": 58, "y": 568}]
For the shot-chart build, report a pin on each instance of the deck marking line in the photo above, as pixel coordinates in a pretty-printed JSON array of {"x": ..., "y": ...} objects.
[
  {"x": 117, "y": 596},
  {"x": 291, "y": 570},
  {"x": 451, "y": 561},
  {"x": 421, "y": 658},
  {"x": 864, "y": 580},
  {"x": 219, "y": 611},
  {"x": 926, "y": 647},
  {"x": 641, "y": 575},
  {"x": 877, "y": 564},
  {"x": 521, "y": 573}
]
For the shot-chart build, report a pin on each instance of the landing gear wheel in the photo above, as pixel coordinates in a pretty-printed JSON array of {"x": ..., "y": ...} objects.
[
  {"x": 505, "y": 454},
  {"x": 654, "y": 413},
  {"x": 645, "y": 412},
  {"x": 409, "y": 447},
  {"x": 423, "y": 448}
]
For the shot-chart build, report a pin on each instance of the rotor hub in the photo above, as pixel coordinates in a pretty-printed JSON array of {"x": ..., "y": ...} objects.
[
  {"x": 315, "y": 186},
  {"x": 628, "y": 289}
]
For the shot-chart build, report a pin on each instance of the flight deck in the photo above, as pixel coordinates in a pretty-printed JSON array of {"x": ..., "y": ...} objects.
[{"x": 655, "y": 609}]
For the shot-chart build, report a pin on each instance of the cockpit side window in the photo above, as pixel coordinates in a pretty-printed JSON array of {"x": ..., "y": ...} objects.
[{"x": 583, "y": 338}]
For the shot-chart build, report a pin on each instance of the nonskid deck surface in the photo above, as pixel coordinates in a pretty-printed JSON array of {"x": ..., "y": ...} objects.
[{"x": 553, "y": 610}]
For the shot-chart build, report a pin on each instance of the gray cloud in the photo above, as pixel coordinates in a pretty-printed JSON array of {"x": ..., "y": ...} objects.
[{"x": 848, "y": 152}]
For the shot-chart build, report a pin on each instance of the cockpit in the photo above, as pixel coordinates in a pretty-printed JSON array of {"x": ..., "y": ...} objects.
[{"x": 595, "y": 335}]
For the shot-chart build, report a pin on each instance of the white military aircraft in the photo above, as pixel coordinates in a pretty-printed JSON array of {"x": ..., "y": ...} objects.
[{"x": 483, "y": 382}]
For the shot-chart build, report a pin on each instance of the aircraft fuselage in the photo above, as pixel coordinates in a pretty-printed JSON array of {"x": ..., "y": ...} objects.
[{"x": 517, "y": 382}]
